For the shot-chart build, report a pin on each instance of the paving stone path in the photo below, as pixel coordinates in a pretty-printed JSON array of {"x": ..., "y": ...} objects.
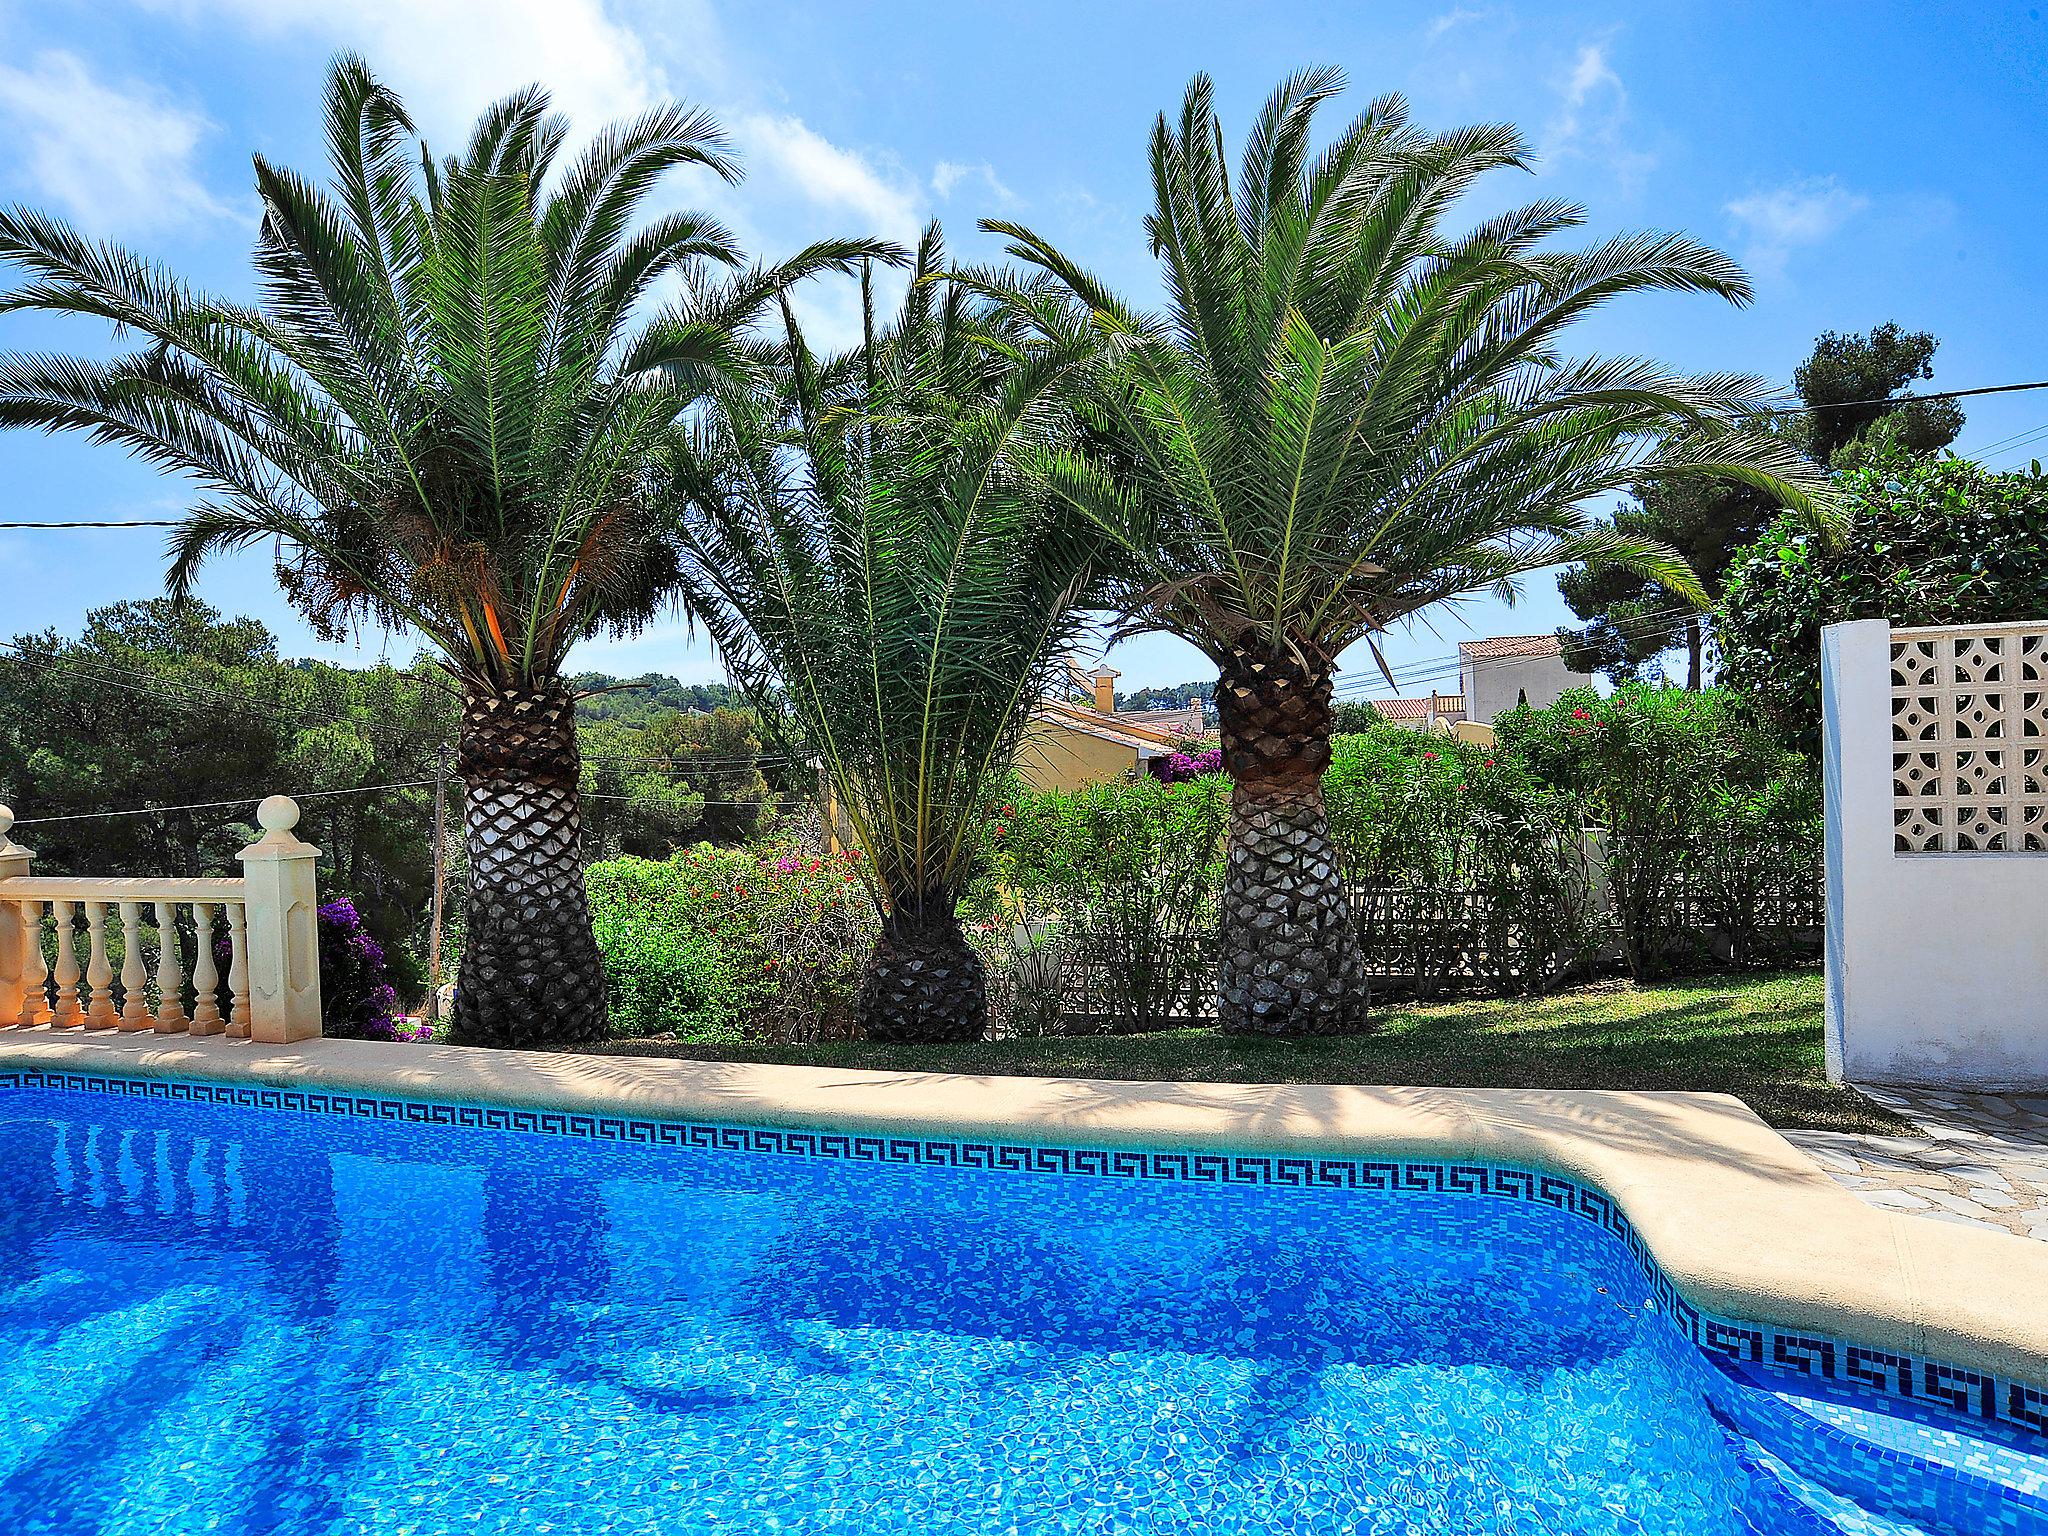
[{"x": 1980, "y": 1158}]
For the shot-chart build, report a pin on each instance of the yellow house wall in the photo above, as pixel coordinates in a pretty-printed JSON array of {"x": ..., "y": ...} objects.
[{"x": 1057, "y": 758}]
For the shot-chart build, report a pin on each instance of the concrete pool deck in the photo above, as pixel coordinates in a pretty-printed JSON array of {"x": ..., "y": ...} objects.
[{"x": 1742, "y": 1222}]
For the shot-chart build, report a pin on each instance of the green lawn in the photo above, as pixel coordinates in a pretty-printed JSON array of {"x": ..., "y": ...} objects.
[{"x": 1757, "y": 1037}]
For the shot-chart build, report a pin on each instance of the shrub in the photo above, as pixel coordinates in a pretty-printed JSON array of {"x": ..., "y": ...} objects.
[
  {"x": 1458, "y": 857},
  {"x": 1693, "y": 798},
  {"x": 718, "y": 943},
  {"x": 1929, "y": 541},
  {"x": 1129, "y": 876}
]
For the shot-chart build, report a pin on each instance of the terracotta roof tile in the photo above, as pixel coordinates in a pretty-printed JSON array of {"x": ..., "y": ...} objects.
[{"x": 1511, "y": 645}]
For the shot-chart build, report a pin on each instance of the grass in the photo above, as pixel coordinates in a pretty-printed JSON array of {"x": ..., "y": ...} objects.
[{"x": 1757, "y": 1037}]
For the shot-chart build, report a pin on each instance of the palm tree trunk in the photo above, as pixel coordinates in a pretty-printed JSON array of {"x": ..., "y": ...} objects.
[
  {"x": 1291, "y": 960},
  {"x": 923, "y": 982},
  {"x": 531, "y": 975},
  {"x": 1694, "y": 645}
]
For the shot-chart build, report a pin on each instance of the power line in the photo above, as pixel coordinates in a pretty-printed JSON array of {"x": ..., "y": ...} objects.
[
  {"x": 143, "y": 522},
  {"x": 1932, "y": 394},
  {"x": 1362, "y": 680},
  {"x": 214, "y": 805}
]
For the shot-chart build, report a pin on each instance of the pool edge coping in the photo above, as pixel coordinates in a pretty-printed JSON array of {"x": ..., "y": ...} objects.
[{"x": 1736, "y": 1217}]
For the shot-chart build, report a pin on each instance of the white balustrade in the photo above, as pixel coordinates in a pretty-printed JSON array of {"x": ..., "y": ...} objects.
[{"x": 273, "y": 973}]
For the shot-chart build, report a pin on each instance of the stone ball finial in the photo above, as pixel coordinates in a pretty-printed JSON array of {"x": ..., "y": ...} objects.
[
  {"x": 6, "y": 822},
  {"x": 278, "y": 814}
]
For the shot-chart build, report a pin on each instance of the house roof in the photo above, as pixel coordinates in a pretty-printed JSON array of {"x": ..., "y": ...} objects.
[
  {"x": 1418, "y": 709},
  {"x": 1120, "y": 729},
  {"x": 1511, "y": 645}
]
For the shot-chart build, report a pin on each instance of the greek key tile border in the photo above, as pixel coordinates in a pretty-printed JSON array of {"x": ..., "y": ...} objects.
[{"x": 1974, "y": 1394}]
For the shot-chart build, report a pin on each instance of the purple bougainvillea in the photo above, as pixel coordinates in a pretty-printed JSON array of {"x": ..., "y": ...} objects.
[
  {"x": 1179, "y": 767},
  {"x": 357, "y": 1001}
]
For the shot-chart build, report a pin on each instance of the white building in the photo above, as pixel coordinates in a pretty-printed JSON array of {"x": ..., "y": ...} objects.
[{"x": 1495, "y": 675}]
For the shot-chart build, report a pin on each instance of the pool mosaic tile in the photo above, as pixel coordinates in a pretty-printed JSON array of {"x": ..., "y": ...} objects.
[
  {"x": 1973, "y": 1394},
  {"x": 1911, "y": 1443}
]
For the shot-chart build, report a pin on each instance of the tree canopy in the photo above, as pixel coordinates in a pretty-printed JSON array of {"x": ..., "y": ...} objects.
[
  {"x": 1928, "y": 541},
  {"x": 1631, "y": 620}
]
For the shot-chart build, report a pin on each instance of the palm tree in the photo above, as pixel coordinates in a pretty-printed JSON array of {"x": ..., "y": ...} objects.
[
  {"x": 1346, "y": 416},
  {"x": 877, "y": 558},
  {"x": 446, "y": 410}
]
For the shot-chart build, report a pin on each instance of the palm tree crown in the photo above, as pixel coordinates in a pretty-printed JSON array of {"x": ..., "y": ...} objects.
[
  {"x": 876, "y": 547},
  {"x": 1347, "y": 415},
  {"x": 447, "y": 399}
]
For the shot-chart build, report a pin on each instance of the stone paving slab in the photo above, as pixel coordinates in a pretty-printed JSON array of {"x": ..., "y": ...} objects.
[{"x": 1980, "y": 1158}]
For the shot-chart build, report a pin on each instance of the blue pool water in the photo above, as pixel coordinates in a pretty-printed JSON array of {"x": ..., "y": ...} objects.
[{"x": 240, "y": 1321}]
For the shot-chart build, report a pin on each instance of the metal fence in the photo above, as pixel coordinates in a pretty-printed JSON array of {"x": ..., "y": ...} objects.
[{"x": 1419, "y": 944}]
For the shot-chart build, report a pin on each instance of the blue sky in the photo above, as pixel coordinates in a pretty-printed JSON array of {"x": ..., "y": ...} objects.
[{"x": 1865, "y": 161}]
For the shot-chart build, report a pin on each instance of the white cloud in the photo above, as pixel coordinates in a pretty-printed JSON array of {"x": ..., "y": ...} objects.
[
  {"x": 606, "y": 59},
  {"x": 449, "y": 58},
  {"x": 118, "y": 158},
  {"x": 1456, "y": 17},
  {"x": 1591, "y": 122},
  {"x": 790, "y": 152},
  {"x": 1801, "y": 213},
  {"x": 950, "y": 174}
]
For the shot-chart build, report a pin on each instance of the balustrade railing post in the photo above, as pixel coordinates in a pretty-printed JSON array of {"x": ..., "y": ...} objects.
[
  {"x": 69, "y": 1014},
  {"x": 206, "y": 1019},
  {"x": 282, "y": 906},
  {"x": 17, "y": 930},
  {"x": 170, "y": 972},
  {"x": 99, "y": 973},
  {"x": 238, "y": 970},
  {"x": 35, "y": 971},
  {"x": 135, "y": 1012}
]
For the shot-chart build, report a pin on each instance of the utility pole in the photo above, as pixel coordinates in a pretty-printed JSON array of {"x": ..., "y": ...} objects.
[{"x": 434, "y": 928}]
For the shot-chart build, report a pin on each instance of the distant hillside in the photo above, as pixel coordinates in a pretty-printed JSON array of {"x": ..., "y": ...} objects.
[
  {"x": 1177, "y": 697},
  {"x": 642, "y": 699}
]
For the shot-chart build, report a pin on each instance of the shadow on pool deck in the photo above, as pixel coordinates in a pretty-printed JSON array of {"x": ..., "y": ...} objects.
[{"x": 1758, "y": 1038}]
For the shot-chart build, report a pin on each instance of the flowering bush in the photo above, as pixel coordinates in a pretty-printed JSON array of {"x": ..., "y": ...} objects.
[
  {"x": 1182, "y": 767},
  {"x": 357, "y": 1001},
  {"x": 725, "y": 943}
]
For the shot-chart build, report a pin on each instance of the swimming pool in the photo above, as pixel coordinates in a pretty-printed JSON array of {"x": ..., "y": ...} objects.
[{"x": 247, "y": 1310}]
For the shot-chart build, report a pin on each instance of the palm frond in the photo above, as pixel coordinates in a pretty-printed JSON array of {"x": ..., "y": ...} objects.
[{"x": 1344, "y": 414}]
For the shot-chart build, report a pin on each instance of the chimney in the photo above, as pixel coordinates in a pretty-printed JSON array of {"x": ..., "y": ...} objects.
[{"x": 1104, "y": 679}]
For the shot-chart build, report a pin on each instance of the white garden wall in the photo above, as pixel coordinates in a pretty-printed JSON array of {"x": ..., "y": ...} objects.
[{"x": 1936, "y": 759}]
